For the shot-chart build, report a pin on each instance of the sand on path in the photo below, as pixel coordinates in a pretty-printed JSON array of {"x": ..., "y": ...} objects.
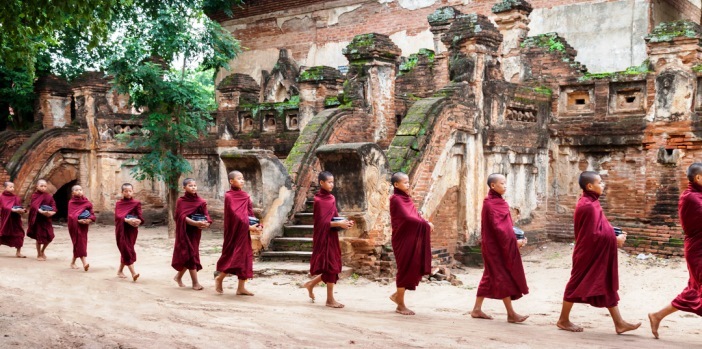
[{"x": 49, "y": 305}]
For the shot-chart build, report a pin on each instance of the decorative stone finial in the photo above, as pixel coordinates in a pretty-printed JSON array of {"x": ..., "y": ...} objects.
[
  {"x": 470, "y": 26},
  {"x": 373, "y": 45},
  {"x": 509, "y": 5}
]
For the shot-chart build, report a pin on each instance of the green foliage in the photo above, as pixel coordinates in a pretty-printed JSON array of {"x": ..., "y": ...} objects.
[
  {"x": 29, "y": 27},
  {"x": 407, "y": 65},
  {"x": 17, "y": 91},
  {"x": 176, "y": 104}
]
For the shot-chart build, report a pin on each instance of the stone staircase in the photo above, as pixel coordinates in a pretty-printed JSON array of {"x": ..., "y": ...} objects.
[{"x": 296, "y": 242}]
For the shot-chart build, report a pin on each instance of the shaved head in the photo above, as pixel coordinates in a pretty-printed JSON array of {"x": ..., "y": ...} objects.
[
  {"x": 127, "y": 185},
  {"x": 76, "y": 187},
  {"x": 188, "y": 180},
  {"x": 493, "y": 178},
  {"x": 41, "y": 181},
  {"x": 235, "y": 173},
  {"x": 694, "y": 170},
  {"x": 324, "y": 176},
  {"x": 587, "y": 177},
  {"x": 398, "y": 176},
  {"x": 7, "y": 183}
]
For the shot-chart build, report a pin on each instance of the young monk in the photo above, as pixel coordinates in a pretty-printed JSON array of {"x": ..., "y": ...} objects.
[
  {"x": 326, "y": 251},
  {"x": 411, "y": 242},
  {"x": 237, "y": 254},
  {"x": 186, "y": 252},
  {"x": 690, "y": 212},
  {"x": 39, "y": 225},
  {"x": 78, "y": 227},
  {"x": 11, "y": 232},
  {"x": 127, "y": 229},
  {"x": 594, "y": 278},
  {"x": 503, "y": 277}
]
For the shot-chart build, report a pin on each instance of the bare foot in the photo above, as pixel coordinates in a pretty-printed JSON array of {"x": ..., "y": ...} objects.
[
  {"x": 401, "y": 309},
  {"x": 179, "y": 280},
  {"x": 655, "y": 322},
  {"x": 478, "y": 314},
  {"x": 41, "y": 258},
  {"x": 626, "y": 327},
  {"x": 86, "y": 267},
  {"x": 569, "y": 326},
  {"x": 74, "y": 266},
  {"x": 197, "y": 287},
  {"x": 310, "y": 290},
  {"x": 19, "y": 255},
  {"x": 244, "y": 292},
  {"x": 334, "y": 304},
  {"x": 135, "y": 277},
  {"x": 218, "y": 285},
  {"x": 121, "y": 275},
  {"x": 516, "y": 318}
]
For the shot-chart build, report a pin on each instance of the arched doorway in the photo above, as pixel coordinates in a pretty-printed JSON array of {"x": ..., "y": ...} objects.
[{"x": 61, "y": 197}]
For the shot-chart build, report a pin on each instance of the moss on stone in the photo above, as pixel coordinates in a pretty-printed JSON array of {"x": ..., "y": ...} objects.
[
  {"x": 697, "y": 68},
  {"x": 442, "y": 15},
  {"x": 508, "y": 5},
  {"x": 642, "y": 69},
  {"x": 667, "y": 31},
  {"x": 312, "y": 74},
  {"x": 550, "y": 41},
  {"x": 331, "y": 101},
  {"x": 408, "y": 64}
]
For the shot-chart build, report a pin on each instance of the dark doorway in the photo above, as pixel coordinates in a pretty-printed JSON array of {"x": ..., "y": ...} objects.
[{"x": 61, "y": 197}]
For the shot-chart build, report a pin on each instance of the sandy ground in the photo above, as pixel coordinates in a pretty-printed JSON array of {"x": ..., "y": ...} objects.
[{"x": 48, "y": 305}]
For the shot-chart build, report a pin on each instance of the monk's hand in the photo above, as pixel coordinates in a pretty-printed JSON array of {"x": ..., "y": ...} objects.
[
  {"x": 522, "y": 242},
  {"x": 85, "y": 221},
  {"x": 348, "y": 223},
  {"x": 255, "y": 228},
  {"x": 18, "y": 210},
  {"x": 621, "y": 239},
  {"x": 431, "y": 226},
  {"x": 204, "y": 224}
]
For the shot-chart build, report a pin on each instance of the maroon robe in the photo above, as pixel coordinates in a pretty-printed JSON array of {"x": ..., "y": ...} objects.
[
  {"x": 594, "y": 278},
  {"x": 237, "y": 254},
  {"x": 326, "y": 251},
  {"x": 504, "y": 273},
  {"x": 125, "y": 234},
  {"x": 186, "y": 251},
  {"x": 77, "y": 231},
  {"x": 411, "y": 241},
  {"x": 690, "y": 212},
  {"x": 39, "y": 226},
  {"x": 11, "y": 232}
]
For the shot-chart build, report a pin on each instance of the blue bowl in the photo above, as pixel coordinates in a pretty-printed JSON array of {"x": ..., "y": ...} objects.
[
  {"x": 46, "y": 208},
  {"x": 254, "y": 221},
  {"x": 518, "y": 233},
  {"x": 197, "y": 217},
  {"x": 617, "y": 231},
  {"x": 84, "y": 215}
]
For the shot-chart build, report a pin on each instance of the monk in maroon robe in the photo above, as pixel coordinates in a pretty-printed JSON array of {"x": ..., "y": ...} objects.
[
  {"x": 78, "y": 227},
  {"x": 326, "y": 251},
  {"x": 186, "y": 252},
  {"x": 127, "y": 229},
  {"x": 411, "y": 242},
  {"x": 594, "y": 278},
  {"x": 503, "y": 277},
  {"x": 237, "y": 254},
  {"x": 39, "y": 225},
  {"x": 690, "y": 212},
  {"x": 11, "y": 232}
]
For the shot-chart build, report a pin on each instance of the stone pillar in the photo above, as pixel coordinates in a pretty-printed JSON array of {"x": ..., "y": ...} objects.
[
  {"x": 319, "y": 88},
  {"x": 234, "y": 90},
  {"x": 512, "y": 18},
  {"x": 440, "y": 21},
  {"x": 90, "y": 95},
  {"x": 371, "y": 81},
  {"x": 473, "y": 43},
  {"x": 54, "y": 102},
  {"x": 674, "y": 49}
]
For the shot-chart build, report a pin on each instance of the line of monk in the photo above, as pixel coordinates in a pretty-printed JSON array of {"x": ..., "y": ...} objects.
[{"x": 594, "y": 276}]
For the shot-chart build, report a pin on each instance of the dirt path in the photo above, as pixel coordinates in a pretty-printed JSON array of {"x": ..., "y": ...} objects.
[{"x": 48, "y": 305}]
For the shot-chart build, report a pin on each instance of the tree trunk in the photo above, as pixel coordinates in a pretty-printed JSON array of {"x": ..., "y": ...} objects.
[{"x": 172, "y": 198}]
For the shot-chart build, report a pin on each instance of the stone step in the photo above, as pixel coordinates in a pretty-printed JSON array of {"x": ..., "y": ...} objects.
[
  {"x": 304, "y": 218},
  {"x": 291, "y": 244},
  {"x": 298, "y": 231},
  {"x": 299, "y": 256},
  {"x": 271, "y": 268}
]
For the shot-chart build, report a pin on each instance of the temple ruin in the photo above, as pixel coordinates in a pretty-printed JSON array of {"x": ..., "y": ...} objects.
[{"x": 447, "y": 91}]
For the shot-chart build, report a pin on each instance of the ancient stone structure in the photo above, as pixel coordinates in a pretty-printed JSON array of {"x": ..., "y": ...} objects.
[{"x": 481, "y": 94}]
